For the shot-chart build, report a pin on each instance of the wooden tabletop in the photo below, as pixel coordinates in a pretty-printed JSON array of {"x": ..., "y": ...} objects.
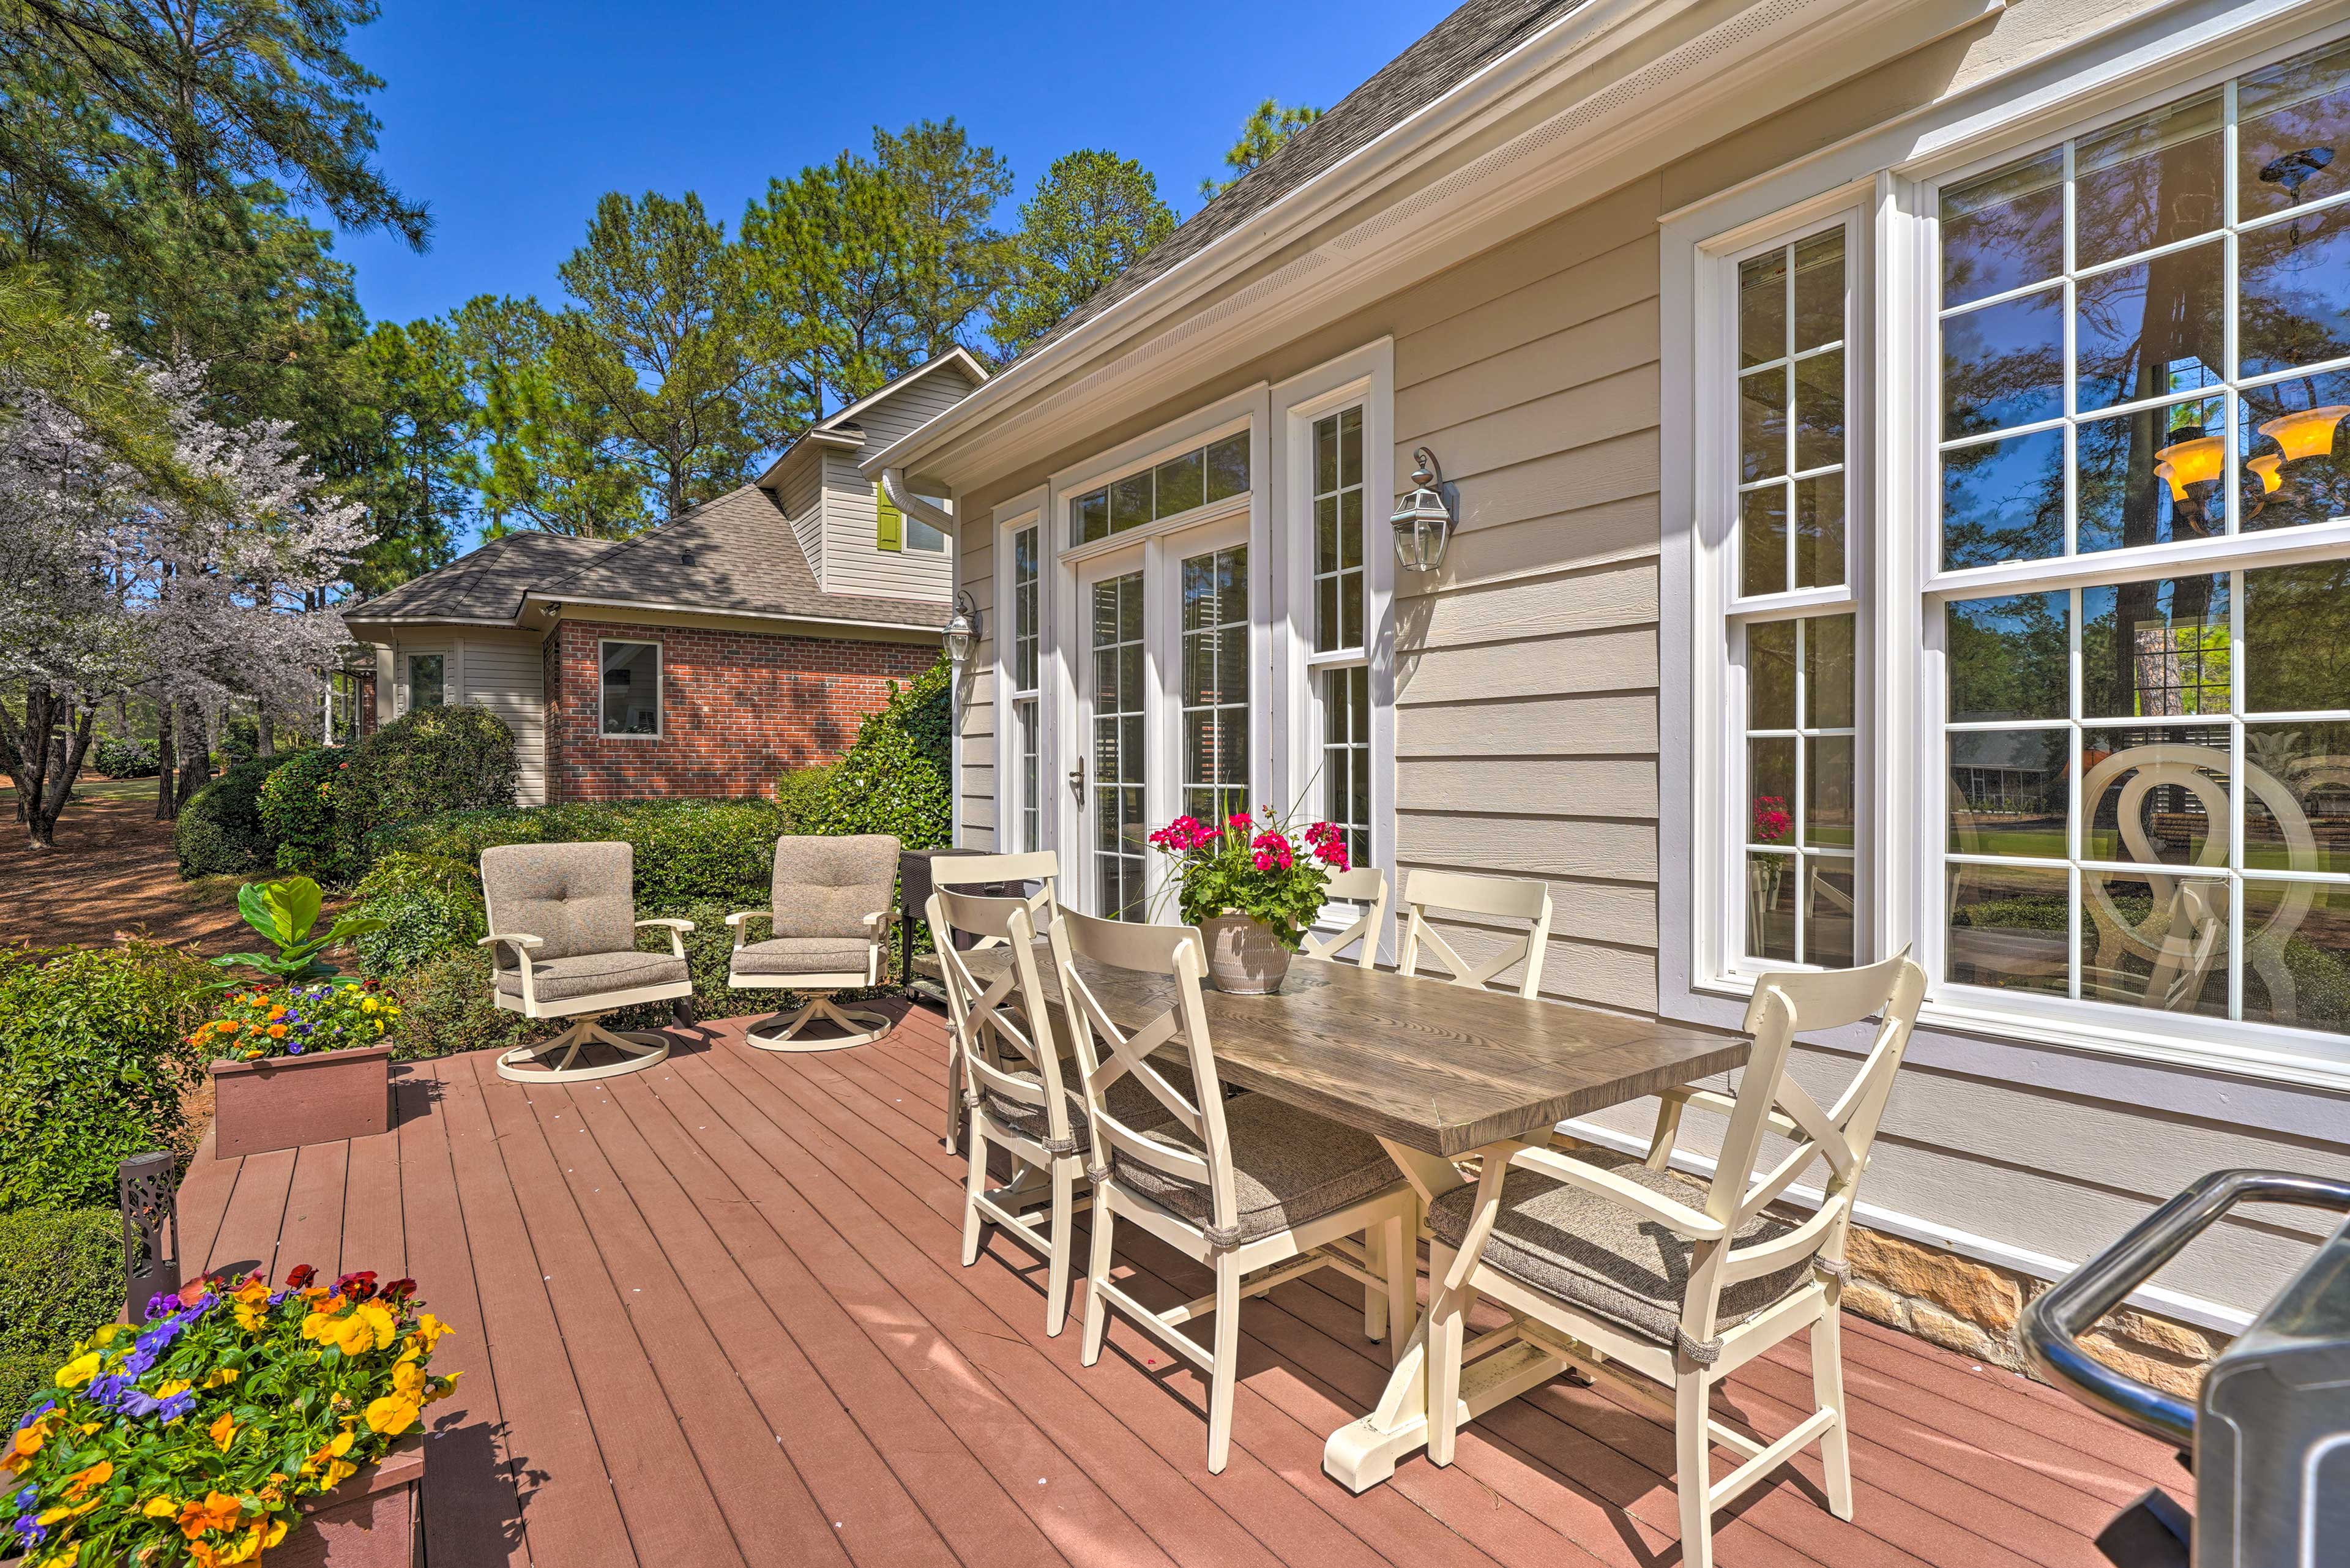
[{"x": 1436, "y": 1067}]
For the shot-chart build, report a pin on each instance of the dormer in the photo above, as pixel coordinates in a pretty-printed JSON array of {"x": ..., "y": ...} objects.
[{"x": 855, "y": 541}]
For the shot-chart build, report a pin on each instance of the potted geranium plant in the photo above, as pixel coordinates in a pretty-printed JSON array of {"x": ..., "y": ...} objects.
[
  {"x": 298, "y": 1053},
  {"x": 1252, "y": 887},
  {"x": 239, "y": 1423}
]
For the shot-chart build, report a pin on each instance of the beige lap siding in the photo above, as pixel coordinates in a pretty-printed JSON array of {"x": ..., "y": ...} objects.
[{"x": 737, "y": 709}]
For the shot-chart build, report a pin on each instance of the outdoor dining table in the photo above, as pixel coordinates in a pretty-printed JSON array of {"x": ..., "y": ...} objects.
[{"x": 1438, "y": 1074}]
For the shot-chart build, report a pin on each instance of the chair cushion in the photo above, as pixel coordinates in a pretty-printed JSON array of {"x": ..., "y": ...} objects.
[
  {"x": 1288, "y": 1167},
  {"x": 1129, "y": 1102},
  {"x": 825, "y": 886},
  {"x": 1603, "y": 1257},
  {"x": 578, "y": 897},
  {"x": 802, "y": 955},
  {"x": 596, "y": 974}
]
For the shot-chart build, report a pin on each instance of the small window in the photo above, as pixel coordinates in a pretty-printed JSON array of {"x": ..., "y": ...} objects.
[
  {"x": 1201, "y": 477},
  {"x": 426, "y": 680},
  {"x": 631, "y": 688},
  {"x": 921, "y": 536}
]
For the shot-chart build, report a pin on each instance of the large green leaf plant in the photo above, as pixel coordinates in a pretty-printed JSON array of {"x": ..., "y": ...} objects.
[{"x": 284, "y": 912}]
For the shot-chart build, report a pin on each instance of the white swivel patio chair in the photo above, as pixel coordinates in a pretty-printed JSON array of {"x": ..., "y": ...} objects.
[
  {"x": 563, "y": 944},
  {"x": 1364, "y": 885},
  {"x": 1012, "y": 1093},
  {"x": 1486, "y": 898},
  {"x": 1255, "y": 1190},
  {"x": 1603, "y": 1252},
  {"x": 829, "y": 930}
]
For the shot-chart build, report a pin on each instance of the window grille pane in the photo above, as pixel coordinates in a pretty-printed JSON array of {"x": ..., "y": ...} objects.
[
  {"x": 1337, "y": 502},
  {"x": 631, "y": 688}
]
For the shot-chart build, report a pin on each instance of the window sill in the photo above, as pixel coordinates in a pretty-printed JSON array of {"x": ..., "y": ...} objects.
[{"x": 2100, "y": 1032}]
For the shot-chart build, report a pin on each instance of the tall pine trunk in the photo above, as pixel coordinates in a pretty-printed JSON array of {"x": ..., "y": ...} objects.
[
  {"x": 195, "y": 756},
  {"x": 167, "y": 753}
]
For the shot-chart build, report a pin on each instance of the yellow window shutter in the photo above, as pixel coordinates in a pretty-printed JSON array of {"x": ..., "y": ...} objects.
[{"x": 889, "y": 523}]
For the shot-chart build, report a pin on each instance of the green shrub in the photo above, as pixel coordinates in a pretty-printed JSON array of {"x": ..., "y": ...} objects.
[
  {"x": 240, "y": 740},
  {"x": 800, "y": 794},
  {"x": 60, "y": 1277},
  {"x": 303, "y": 813},
  {"x": 93, "y": 1058},
  {"x": 429, "y": 904},
  {"x": 120, "y": 758},
  {"x": 894, "y": 777},
  {"x": 432, "y": 760},
  {"x": 221, "y": 832},
  {"x": 686, "y": 850}
]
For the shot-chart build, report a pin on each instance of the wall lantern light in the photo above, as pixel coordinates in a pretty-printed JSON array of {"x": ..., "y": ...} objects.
[
  {"x": 962, "y": 631},
  {"x": 1423, "y": 518}
]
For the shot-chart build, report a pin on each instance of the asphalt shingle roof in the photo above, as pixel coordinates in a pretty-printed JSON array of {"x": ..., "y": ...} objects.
[
  {"x": 735, "y": 555},
  {"x": 1447, "y": 54}
]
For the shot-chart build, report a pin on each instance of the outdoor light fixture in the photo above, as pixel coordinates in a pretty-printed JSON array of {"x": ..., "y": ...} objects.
[
  {"x": 2309, "y": 434},
  {"x": 962, "y": 631},
  {"x": 1423, "y": 518}
]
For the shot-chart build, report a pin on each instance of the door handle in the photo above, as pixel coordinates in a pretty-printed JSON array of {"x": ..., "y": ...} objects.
[{"x": 1078, "y": 781}]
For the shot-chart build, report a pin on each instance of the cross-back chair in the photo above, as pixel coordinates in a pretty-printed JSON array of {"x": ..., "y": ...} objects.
[
  {"x": 1364, "y": 885},
  {"x": 985, "y": 872},
  {"x": 1256, "y": 1190},
  {"x": 1488, "y": 897},
  {"x": 1012, "y": 1093},
  {"x": 1599, "y": 1252}
]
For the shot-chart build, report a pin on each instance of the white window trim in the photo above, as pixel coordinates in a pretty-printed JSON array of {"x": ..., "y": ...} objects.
[
  {"x": 1890, "y": 171},
  {"x": 1364, "y": 376},
  {"x": 1028, "y": 510},
  {"x": 660, "y": 670}
]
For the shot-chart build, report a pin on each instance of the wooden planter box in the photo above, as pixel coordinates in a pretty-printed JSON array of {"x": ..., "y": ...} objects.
[
  {"x": 375, "y": 1519},
  {"x": 283, "y": 1102}
]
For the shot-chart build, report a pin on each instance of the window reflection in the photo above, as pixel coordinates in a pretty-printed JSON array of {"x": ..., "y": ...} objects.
[
  {"x": 2297, "y": 638},
  {"x": 2003, "y": 365},
  {"x": 2155, "y": 648},
  {"x": 2007, "y": 658},
  {"x": 2010, "y": 793},
  {"x": 2010, "y": 927},
  {"x": 2150, "y": 181},
  {"x": 2004, "y": 500},
  {"x": 2004, "y": 230}
]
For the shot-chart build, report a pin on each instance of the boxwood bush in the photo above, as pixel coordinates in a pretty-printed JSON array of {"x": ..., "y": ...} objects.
[
  {"x": 302, "y": 813},
  {"x": 60, "y": 1277},
  {"x": 686, "y": 850},
  {"x": 432, "y": 761},
  {"x": 126, "y": 759},
  {"x": 93, "y": 1059},
  {"x": 220, "y": 831},
  {"x": 429, "y": 904}
]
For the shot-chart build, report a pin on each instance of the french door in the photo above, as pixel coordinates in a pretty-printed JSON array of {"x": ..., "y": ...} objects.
[{"x": 1166, "y": 651}]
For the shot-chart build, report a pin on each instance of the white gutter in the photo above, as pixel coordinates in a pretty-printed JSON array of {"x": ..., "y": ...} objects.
[{"x": 893, "y": 484}]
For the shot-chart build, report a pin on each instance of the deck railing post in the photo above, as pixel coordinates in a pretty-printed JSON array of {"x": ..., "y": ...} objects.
[{"x": 147, "y": 1190}]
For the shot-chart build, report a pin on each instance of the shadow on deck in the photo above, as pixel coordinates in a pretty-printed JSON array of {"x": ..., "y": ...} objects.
[{"x": 712, "y": 1313}]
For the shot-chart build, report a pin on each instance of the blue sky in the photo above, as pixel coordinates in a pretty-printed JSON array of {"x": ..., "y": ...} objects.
[{"x": 511, "y": 119}]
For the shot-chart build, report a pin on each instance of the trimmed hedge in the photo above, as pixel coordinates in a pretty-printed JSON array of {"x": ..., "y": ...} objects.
[
  {"x": 800, "y": 794},
  {"x": 93, "y": 1058},
  {"x": 894, "y": 777},
  {"x": 60, "y": 1277},
  {"x": 221, "y": 832},
  {"x": 318, "y": 814},
  {"x": 301, "y": 813},
  {"x": 686, "y": 850},
  {"x": 126, "y": 759}
]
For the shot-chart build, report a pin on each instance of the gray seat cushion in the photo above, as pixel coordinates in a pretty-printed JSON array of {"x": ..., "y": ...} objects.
[
  {"x": 576, "y": 897},
  {"x": 826, "y": 886},
  {"x": 786, "y": 956},
  {"x": 595, "y": 974},
  {"x": 1288, "y": 1167},
  {"x": 1129, "y": 1102},
  {"x": 1603, "y": 1257}
]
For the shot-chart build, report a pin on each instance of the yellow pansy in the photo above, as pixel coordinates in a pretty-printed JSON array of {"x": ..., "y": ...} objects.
[
  {"x": 367, "y": 1006},
  {"x": 79, "y": 1371},
  {"x": 430, "y": 1329},
  {"x": 408, "y": 1379},
  {"x": 222, "y": 1431},
  {"x": 317, "y": 1325},
  {"x": 105, "y": 1336},
  {"x": 177, "y": 1385},
  {"x": 392, "y": 1414},
  {"x": 219, "y": 1376},
  {"x": 159, "y": 1508}
]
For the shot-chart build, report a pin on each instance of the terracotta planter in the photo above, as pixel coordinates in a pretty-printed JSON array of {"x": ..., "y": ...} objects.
[
  {"x": 1243, "y": 957},
  {"x": 283, "y": 1102},
  {"x": 375, "y": 1519}
]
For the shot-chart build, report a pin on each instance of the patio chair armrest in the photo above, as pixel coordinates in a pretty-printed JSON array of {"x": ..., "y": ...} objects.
[
  {"x": 880, "y": 923},
  {"x": 734, "y": 921},
  {"x": 1600, "y": 1182},
  {"x": 1721, "y": 1104},
  {"x": 518, "y": 939},
  {"x": 676, "y": 928},
  {"x": 522, "y": 942}
]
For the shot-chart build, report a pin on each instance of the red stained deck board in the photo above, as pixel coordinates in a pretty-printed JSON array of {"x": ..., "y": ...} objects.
[{"x": 782, "y": 1235}]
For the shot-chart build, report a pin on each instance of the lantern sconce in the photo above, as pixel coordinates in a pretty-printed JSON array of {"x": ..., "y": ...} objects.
[
  {"x": 1423, "y": 518},
  {"x": 961, "y": 630}
]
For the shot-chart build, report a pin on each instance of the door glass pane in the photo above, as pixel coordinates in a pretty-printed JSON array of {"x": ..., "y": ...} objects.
[
  {"x": 1212, "y": 704},
  {"x": 1347, "y": 757},
  {"x": 1118, "y": 830},
  {"x": 1337, "y": 503}
]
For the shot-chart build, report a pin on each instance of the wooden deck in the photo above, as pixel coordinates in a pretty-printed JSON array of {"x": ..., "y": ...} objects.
[{"x": 711, "y": 1313}]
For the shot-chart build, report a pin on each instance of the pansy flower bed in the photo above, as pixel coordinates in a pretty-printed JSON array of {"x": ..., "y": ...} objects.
[
  {"x": 296, "y": 1020},
  {"x": 195, "y": 1438}
]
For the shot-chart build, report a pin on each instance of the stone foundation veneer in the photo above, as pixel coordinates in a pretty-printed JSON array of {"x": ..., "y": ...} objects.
[{"x": 1972, "y": 1308}]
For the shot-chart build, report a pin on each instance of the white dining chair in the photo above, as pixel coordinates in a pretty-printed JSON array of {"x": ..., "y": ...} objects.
[
  {"x": 1597, "y": 1250},
  {"x": 1486, "y": 898},
  {"x": 1366, "y": 885},
  {"x": 1014, "y": 1096},
  {"x": 1041, "y": 866},
  {"x": 1255, "y": 1190}
]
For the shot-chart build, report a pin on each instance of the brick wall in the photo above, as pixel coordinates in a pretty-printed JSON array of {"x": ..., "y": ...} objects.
[{"x": 737, "y": 709}]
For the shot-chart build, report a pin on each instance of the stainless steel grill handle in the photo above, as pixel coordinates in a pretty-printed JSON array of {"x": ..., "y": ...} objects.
[{"x": 2053, "y": 1325}]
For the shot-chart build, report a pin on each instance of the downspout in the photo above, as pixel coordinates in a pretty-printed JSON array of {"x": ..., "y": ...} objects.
[{"x": 901, "y": 495}]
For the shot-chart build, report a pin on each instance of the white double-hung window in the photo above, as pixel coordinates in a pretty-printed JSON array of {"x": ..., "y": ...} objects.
[{"x": 2025, "y": 642}]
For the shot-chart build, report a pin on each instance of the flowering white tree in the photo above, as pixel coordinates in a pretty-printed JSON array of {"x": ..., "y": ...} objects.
[{"x": 192, "y": 587}]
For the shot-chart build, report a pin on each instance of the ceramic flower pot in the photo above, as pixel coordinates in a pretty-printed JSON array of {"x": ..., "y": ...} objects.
[
  {"x": 285, "y": 1102},
  {"x": 1243, "y": 956}
]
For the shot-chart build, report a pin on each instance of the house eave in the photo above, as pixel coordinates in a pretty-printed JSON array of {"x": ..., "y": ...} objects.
[{"x": 563, "y": 602}]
